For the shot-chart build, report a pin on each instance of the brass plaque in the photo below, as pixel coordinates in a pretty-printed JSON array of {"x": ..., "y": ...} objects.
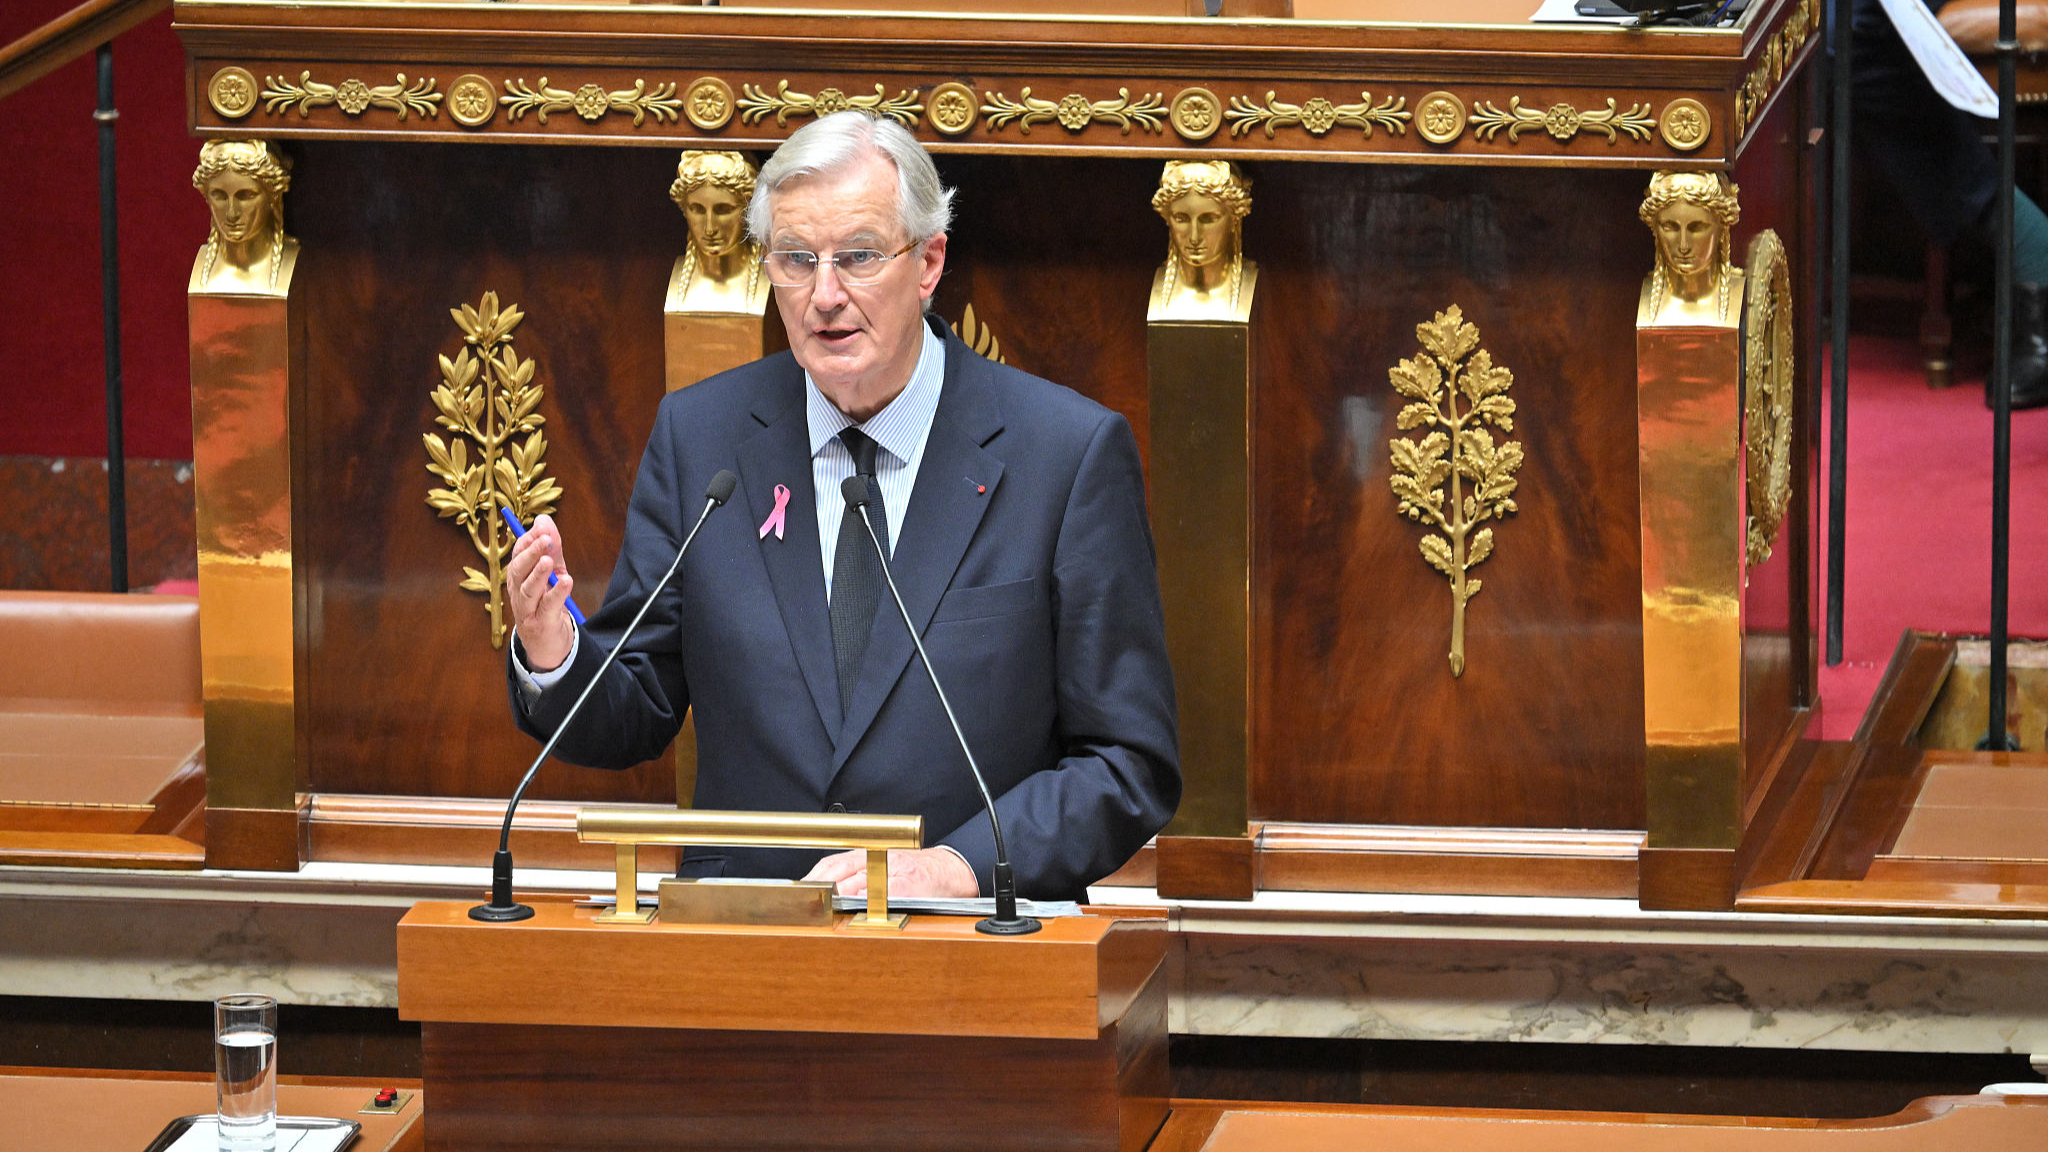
[{"x": 778, "y": 903}]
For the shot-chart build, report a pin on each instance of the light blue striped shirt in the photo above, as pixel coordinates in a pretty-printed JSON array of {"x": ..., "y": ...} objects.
[{"x": 899, "y": 430}]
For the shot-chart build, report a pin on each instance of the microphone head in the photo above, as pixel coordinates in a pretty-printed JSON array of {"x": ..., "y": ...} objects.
[
  {"x": 720, "y": 489},
  {"x": 855, "y": 490}
]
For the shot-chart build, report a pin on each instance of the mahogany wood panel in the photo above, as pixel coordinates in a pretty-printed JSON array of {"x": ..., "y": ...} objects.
[
  {"x": 406, "y": 694},
  {"x": 852, "y": 51},
  {"x": 938, "y": 976},
  {"x": 89, "y": 1110},
  {"x": 570, "y": 1088},
  {"x": 1207, "y": 868},
  {"x": 1448, "y": 861},
  {"x": 1357, "y": 718},
  {"x": 258, "y": 839},
  {"x": 1988, "y": 897},
  {"x": 1695, "y": 879},
  {"x": 99, "y": 850}
]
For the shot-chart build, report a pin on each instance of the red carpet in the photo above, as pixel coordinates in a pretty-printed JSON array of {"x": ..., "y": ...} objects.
[{"x": 1918, "y": 552}]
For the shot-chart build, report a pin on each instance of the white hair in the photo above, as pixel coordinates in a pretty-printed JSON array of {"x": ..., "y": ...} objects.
[{"x": 832, "y": 144}]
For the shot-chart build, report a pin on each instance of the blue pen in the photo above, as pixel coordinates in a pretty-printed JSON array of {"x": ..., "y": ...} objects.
[{"x": 519, "y": 530}]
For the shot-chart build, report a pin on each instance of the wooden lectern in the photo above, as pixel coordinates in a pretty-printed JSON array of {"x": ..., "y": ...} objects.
[{"x": 562, "y": 1033}]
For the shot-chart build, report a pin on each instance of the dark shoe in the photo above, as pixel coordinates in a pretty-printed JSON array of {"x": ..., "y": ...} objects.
[{"x": 2029, "y": 348}]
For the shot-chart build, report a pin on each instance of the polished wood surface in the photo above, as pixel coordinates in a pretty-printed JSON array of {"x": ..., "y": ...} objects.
[
  {"x": 82, "y": 1110},
  {"x": 1417, "y": 49},
  {"x": 1988, "y": 810},
  {"x": 1984, "y": 1123},
  {"x": 1206, "y": 867},
  {"x": 565, "y": 1087},
  {"x": 1357, "y": 718},
  {"x": 1448, "y": 861},
  {"x": 761, "y": 1038},
  {"x": 937, "y": 977}
]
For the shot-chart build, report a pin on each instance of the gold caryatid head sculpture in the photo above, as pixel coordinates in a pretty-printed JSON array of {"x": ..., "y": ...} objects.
[
  {"x": 721, "y": 271},
  {"x": 244, "y": 182},
  {"x": 1206, "y": 277},
  {"x": 1691, "y": 215}
]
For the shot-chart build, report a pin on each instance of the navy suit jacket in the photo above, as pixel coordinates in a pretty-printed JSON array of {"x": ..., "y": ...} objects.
[{"x": 1026, "y": 560}]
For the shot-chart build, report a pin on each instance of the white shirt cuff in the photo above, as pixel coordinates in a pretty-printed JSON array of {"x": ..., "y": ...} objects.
[{"x": 531, "y": 683}]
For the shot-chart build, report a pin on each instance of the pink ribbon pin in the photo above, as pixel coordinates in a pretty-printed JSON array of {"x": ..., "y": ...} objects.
[{"x": 775, "y": 519}]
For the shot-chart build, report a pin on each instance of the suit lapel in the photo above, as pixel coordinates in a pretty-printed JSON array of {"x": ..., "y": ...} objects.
[
  {"x": 944, "y": 513},
  {"x": 781, "y": 454}
]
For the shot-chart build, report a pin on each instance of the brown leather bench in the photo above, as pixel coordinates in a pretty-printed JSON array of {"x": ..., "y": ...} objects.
[{"x": 101, "y": 735}]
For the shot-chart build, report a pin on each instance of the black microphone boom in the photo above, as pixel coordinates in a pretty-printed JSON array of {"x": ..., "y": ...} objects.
[
  {"x": 1005, "y": 922},
  {"x": 501, "y": 909}
]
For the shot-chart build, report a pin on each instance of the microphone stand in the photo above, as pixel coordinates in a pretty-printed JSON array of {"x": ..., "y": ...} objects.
[
  {"x": 1005, "y": 922},
  {"x": 502, "y": 909}
]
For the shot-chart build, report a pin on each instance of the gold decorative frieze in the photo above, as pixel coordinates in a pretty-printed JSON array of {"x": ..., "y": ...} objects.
[
  {"x": 1074, "y": 111},
  {"x": 1778, "y": 55},
  {"x": 1561, "y": 121},
  {"x": 232, "y": 93},
  {"x": 978, "y": 337},
  {"x": 1768, "y": 367},
  {"x": 592, "y": 101},
  {"x": 952, "y": 108},
  {"x": 1440, "y": 118},
  {"x": 1195, "y": 113},
  {"x": 472, "y": 100},
  {"x": 708, "y": 103},
  {"x": 1318, "y": 115},
  {"x": 487, "y": 396},
  {"x": 756, "y": 103},
  {"x": 352, "y": 96},
  {"x": 1458, "y": 451}
]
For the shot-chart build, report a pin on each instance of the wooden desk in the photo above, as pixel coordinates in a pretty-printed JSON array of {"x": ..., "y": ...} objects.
[
  {"x": 559, "y": 1033},
  {"x": 91, "y": 1110},
  {"x": 1979, "y": 1123}
]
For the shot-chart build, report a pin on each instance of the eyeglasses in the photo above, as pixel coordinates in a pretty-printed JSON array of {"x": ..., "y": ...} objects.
[{"x": 797, "y": 268}]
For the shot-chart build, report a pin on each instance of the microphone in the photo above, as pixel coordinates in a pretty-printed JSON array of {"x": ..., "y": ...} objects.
[
  {"x": 1005, "y": 922},
  {"x": 501, "y": 909}
]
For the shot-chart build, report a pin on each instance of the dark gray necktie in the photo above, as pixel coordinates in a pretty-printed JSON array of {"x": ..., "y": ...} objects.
[{"x": 856, "y": 573}]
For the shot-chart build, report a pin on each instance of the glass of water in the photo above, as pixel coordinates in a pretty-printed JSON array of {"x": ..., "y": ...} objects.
[{"x": 245, "y": 1072}]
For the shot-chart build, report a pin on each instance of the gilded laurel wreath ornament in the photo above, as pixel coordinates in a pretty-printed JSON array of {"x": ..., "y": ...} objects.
[
  {"x": 1561, "y": 121},
  {"x": 756, "y": 103},
  {"x": 1319, "y": 115},
  {"x": 352, "y": 96},
  {"x": 591, "y": 101},
  {"x": 1768, "y": 365},
  {"x": 487, "y": 397},
  {"x": 1074, "y": 111},
  {"x": 1458, "y": 451}
]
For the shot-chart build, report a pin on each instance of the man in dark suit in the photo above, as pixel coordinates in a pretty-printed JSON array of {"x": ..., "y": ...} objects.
[{"x": 1015, "y": 515}]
